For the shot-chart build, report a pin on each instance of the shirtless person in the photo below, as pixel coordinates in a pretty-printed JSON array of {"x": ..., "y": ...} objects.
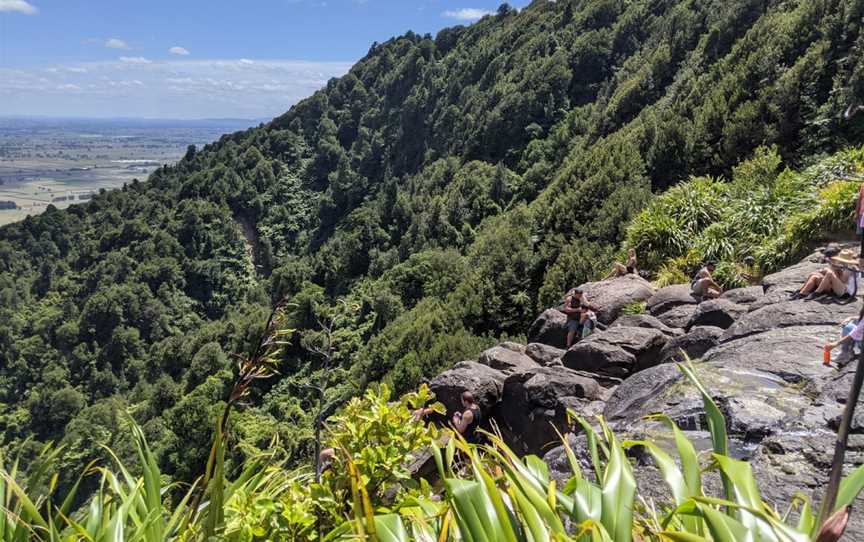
[{"x": 578, "y": 312}]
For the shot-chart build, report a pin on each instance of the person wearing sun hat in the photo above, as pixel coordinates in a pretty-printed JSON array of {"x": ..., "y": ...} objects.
[{"x": 839, "y": 279}]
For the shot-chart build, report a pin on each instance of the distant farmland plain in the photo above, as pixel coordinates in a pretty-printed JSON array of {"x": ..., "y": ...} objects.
[{"x": 62, "y": 162}]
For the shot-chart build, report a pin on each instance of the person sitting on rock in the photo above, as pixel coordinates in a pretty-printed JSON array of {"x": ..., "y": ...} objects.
[
  {"x": 850, "y": 337},
  {"x": 467, "y": 421},
  {"x": 703, "y": 285},
  {"x": 619, "y": 269},
  {"x": 579, "y": 315},
  {"x": 838, "y": 279}
]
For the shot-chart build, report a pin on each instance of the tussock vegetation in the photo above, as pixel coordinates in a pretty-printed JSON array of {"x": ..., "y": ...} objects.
[{"x": 762, "y": 212}]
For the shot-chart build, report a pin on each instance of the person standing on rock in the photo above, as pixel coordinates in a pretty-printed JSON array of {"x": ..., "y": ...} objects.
[
  {"x": 467, "y": 421},
  {"x": 703, "y": 285},
  {"x": 578, "y": 312}
]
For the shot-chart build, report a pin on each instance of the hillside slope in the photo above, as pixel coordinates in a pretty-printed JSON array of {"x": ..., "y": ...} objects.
[{"x": 444, "y": 189}]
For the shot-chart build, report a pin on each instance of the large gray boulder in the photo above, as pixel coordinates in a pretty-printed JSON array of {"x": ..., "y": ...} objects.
[
  {"x": 549, "y": 328},
  {"x": 639, "y": 390},
  {"x": 670, "y": 297},
  {"x": 678, "y": 317},
  {"x": 535, "y": 403},
  {"x": 694, "y": 344},
  {"x": 647, "y": 321},
  {"x": 611, "y": 296},
  {"x": 791, "y": 355},
  {"x": 617, "y": 352},
  {"x": 485, "y": 384},
  {"x": 720, "y": 313},
  {"x": 506, "y": 360},
  {"x": 788, "y": 314},
  {"x": 544, "y": 354},
  {"x": 744, "y": 296}
]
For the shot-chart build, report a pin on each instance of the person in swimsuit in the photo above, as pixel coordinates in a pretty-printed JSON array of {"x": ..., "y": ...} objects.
[
  {"x": 467, "y": 421},
  {"x": 619, "y": 269}
]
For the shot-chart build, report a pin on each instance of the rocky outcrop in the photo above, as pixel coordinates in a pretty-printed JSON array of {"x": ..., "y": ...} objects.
[
  {"x": 618, "y": 351},
  {"x": 611, "y": 296},
  {"x": 670, "y": 297},
  {"x": 678, "y": 317},
  {"x": 544, "y": 354},
  {"x": 485, "y": 384},
  {"x": 744, "y": 296},
  {"x": 720, "y": 313},
  {"x": 694, "y": 344},
  {"x": 506, "y": 359},
  {"x": 757, "y": 352},
  {"x": 549, "y": 328},
  {"x": 788, "y": 314},
  {"x": 535, "y": 404},
  {"x": 647, "y": 321}
]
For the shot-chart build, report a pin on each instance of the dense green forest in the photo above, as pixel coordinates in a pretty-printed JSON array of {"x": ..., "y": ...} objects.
[{"x": 414, "y": 211}]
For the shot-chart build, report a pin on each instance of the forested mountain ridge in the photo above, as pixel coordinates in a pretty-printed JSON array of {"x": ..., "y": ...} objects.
[{"x": 444, "y": 189}]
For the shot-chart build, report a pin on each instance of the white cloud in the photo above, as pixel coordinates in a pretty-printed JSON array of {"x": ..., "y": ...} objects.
[
  {"x": 134, "y": 60},
  {"x": 467, "y": 14},
  {"x": 177, "y": 50},
  {"x": 177, "y": 87},
  {"x": 115, "y": 43},
  {"x": 18, "y": 6}
]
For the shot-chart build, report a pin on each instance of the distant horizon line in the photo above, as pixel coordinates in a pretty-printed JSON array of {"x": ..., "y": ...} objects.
[{"x": 140, "y": 119}]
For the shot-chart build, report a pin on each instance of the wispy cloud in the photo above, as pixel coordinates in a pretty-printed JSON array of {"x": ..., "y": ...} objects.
[
  {"x": 467, "y": 14},
  {"x": 115, "y": 43},
  {"x": 134, "y": 60},
  {"x": 18, "y": 6},
  {"x": 180, "y": 51},
  {"x": 178, "y": 87}
]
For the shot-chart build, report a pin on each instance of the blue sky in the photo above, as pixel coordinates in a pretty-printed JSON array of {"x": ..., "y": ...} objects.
[{"x": 193, "y": 58}]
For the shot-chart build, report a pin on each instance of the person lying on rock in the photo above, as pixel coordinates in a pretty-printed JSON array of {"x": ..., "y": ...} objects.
[
  {"x": 580, "y": 315},
  {"x": 850, "y": 337},
  {"x": 619, "y": 269},
  {"x": 703, "y": 285},
  {"x": 838, "y": 279},
  {"x": 467, "y": 421}
]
